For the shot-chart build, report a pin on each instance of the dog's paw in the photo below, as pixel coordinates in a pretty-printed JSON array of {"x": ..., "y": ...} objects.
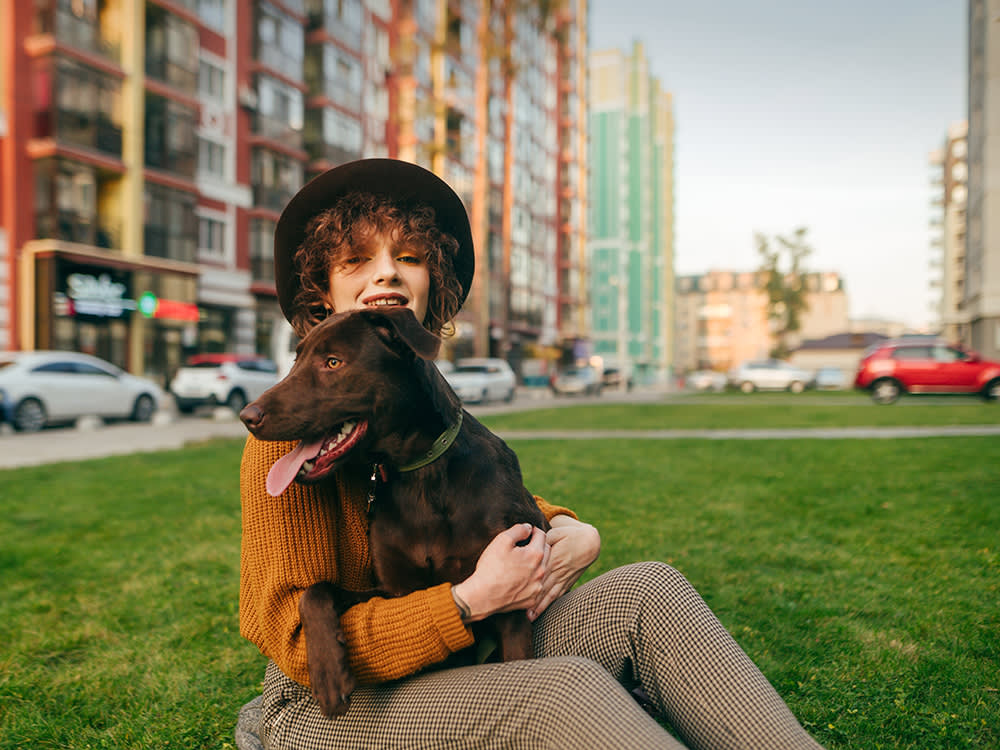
[{"x": 332, "y": 691}]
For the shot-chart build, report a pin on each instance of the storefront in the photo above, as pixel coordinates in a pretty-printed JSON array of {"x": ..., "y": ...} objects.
[{"x": 141, "y": 314}]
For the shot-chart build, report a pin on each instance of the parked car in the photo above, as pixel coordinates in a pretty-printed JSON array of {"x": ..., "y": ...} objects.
[
  {"x": 706, "y": 380},
  {"x": 831, "y": 379},
  {"x": 233, "y": 380},
  {"x": 574, "y": 381},
  {"x": 41, "y": 388},
  {"x": 617, "y": 375},
  {"x": 478, "y": 380},
  {"x": 898, "y": 366},
  {"x": 769, "y": 375}
]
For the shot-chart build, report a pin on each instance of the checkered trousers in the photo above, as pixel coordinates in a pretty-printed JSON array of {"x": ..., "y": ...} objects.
[{"x": 640, "y": 625}]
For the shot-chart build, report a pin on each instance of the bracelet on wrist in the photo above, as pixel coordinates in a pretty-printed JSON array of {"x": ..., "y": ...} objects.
[{"x": 464, "y": 611}]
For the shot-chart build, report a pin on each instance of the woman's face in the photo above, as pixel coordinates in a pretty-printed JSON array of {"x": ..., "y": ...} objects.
[{"x": 381, "y": 273}]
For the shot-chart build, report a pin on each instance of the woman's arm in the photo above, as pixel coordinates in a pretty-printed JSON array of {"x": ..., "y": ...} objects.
[
  {"x": 308, "y": 535},
  {"x": 531, "y": 576},
  {"x": 574, "y": 546}
]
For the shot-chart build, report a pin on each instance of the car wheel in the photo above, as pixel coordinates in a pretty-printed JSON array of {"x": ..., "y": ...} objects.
[
  {"x": 747, "y": 387},
  {"x": 236, "y": 401},
  {"x": 992, "y": 390},
  {"x": 797, "y": 386},
  {"x": 144, "y": 408},
  {"x": 29, "y": 416},
  {"x": 886, "y": 391},
  {"x": 509, "y": 397},
  {"x": 484, "y": 397}
]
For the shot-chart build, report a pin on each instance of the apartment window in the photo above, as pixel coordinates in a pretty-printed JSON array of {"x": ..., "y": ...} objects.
[
  {"x": 73, "y": 22},
  {"x": 262, "y": 250},
  {"x": 341, "y": 130},
  {"x": 341, "y": 19},
  {"x": 170, "y": 139},
  {"x": 211, "y": 158},
  {"x": 171, "y": 49},
  {"x": 280, "y": 41},
  {"x": 279, "y": 111},
  {"x": 342, "y": 78},
  {"x": 211, "y": 239},
  {"x": 170, "y": 227},
  {"x": 213, "y": 14},
  {"x": 78, "y": 105},
  {"x": 211, "y": 81},
  {"x": 65, "y": 201},
  {"x": 275, "y": 178}
]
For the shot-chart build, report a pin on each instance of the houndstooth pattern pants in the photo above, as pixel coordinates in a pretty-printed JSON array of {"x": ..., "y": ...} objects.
[{"x": 641, "y": 625}]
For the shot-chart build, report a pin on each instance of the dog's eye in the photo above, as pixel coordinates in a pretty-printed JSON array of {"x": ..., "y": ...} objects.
[{"x": 332, "y": 363}]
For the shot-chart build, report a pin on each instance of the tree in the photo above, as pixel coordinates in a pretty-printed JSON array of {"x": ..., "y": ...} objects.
[{"x": 783, "y": 275}]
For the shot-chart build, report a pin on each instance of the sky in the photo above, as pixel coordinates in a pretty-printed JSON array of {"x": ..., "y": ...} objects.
[{"x": 805, "y": 113}]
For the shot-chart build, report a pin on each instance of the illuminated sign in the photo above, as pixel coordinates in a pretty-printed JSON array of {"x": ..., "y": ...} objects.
[
  {"x": 98, "y": 296},
  {"x": 167, "y": 309},
  {"x": 106, "y": 296}
]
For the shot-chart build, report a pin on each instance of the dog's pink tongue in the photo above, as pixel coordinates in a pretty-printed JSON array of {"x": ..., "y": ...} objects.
[{"x": 287, "y": 467}]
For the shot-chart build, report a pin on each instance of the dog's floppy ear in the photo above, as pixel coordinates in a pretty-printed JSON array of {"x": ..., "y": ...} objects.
[{"x": 404, "y": 324}]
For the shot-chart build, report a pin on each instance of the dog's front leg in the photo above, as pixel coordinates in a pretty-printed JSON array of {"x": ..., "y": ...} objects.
[
  {"x": 329, "y": 675},
  {"x": 514, "y": 633}
]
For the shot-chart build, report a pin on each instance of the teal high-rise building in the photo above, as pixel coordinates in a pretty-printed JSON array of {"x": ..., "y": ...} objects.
[{"x": 631, "y": 247}]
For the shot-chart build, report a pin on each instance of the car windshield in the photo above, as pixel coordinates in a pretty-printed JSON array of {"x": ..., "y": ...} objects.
[{"x": 471, "y": 368}]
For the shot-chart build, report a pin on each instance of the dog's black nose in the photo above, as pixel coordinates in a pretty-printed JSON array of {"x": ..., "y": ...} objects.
[{"x": 251, "y": 416}]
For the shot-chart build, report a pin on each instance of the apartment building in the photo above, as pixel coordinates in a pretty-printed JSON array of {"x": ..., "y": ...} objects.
[
  {"x": 147, "y": 148},
  {"x": 632, "y": 214},
  {"x": 981, "y": 290},
  {"x": 949, "y": 181},
  {"x": 722, "y": 320}
]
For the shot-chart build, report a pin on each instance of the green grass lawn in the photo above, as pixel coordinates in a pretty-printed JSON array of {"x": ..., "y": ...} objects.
[
  {"x": 758, "y": 410},
  {"x": 863, "y": 577}
]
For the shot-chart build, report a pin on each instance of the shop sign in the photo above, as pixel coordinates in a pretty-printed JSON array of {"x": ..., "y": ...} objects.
[
  {"x": 167, "y": 309},
  {"x": 97, "y": 296}
]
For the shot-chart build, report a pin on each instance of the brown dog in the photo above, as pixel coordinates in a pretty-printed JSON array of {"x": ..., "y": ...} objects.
[{"x": 364, "y": 389}]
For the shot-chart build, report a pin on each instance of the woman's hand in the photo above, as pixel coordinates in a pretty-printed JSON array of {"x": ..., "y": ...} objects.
[
  {"x": 575, "y": 545},
  {"x": 507, "y": 576}
]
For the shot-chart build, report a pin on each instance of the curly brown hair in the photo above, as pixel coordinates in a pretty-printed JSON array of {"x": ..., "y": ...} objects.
[{"x": 333, "y": 234}]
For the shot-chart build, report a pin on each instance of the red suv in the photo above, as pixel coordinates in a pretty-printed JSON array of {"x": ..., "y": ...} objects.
[{"x": 900, "y": 366}]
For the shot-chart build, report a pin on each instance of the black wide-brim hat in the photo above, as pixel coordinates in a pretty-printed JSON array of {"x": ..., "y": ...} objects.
[{"x": 404, "y": 184}]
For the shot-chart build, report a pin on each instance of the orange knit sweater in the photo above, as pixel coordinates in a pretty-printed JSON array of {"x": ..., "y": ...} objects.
[{"x": 320, "y": 533}]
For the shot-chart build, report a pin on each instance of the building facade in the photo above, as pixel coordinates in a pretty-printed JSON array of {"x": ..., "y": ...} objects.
[
  {"x": 949, "y": 180},
  {"x": 631, "y": 251},
  {"x": 722, "y": 320},
  {"x": 981, "y": 290},
  {"x": 147, "y": 148}
]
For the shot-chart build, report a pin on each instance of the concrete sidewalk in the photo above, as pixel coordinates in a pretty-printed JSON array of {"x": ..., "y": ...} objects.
[{"x": 94, "y": 439}]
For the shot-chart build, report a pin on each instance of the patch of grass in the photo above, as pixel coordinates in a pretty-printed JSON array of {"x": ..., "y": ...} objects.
[
  {"x": 118, "y": 613},
  {"x": 862, "y": 576},
  {"x": 757, "y": 411}
]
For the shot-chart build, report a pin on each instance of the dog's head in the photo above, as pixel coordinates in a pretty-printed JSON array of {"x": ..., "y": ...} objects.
[{"x": 362, "y": 380}]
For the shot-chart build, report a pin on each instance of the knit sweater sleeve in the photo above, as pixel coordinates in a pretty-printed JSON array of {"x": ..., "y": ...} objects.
[{"x": 319, "y": 533}]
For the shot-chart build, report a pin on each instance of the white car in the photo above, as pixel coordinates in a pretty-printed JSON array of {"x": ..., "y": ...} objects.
[
  {"x": 478, "y": 380},
  {"x": 232, "y": 380},
  {"x": 769, "y": 375},
  {"x": 39, "y": 388},
  {"x": 706, "y": 380}
]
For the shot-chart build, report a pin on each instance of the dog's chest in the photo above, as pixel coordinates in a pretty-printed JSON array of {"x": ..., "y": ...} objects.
[{"x": 416, "y": 546}]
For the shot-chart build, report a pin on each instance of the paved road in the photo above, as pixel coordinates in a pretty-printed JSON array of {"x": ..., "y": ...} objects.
[{"x": 91, "y": 439}]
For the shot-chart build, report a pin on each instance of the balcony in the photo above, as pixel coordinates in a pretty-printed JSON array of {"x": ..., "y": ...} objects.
[
  {"x": 273, "y": 198},
  {"x": 334, "y": 154},
  {"x": 277, "y": 129},
  {"x": 77, "y": 27},
  {"x": 182, "y": 79}
]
